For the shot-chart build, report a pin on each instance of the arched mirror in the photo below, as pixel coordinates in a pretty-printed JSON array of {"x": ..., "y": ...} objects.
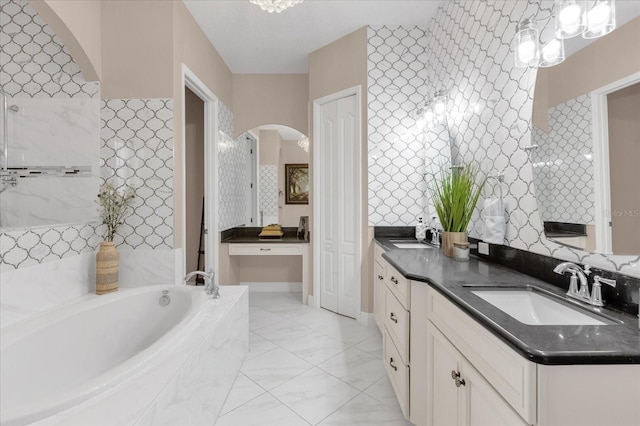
[
  {"x": 586, "y": 142},
  {"x": 278, "y": 174}
]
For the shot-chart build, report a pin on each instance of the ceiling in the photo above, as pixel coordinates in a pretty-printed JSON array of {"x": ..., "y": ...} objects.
[{"x": 252, "y": 41}]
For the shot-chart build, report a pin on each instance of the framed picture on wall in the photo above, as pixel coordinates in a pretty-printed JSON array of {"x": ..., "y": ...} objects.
[{"x": 296, "y": 183}]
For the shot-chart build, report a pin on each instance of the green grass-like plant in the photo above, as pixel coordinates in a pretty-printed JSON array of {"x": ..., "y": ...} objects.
[
  {"x": 455, "y": 195},
  {"x": 114, "y": 204}
]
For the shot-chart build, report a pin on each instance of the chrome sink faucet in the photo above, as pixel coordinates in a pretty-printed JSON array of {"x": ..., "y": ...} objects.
[
  {"x": 576, "y": 273},
  {"x": 210, "y": 287},
  {"x": 595, "y": 298}
]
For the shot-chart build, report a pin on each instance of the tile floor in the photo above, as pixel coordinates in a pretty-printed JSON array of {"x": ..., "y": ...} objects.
[{"x": 309, "y": 367}]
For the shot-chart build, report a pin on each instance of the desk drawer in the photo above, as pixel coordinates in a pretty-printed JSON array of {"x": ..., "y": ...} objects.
[{"x": 267, "y": 249}]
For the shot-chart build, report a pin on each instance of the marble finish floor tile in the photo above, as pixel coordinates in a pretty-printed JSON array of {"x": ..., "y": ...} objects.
[
  {"x": 309, "y": 366},
  {"x": 365, "y": 411},
  {"x": 355, "y": 367},
  {"x": 274, "y": 368},
  {"x": 314, "y": 394},
  {"x": 264, "y": 410},
  {"x": 244, "y": 390}
]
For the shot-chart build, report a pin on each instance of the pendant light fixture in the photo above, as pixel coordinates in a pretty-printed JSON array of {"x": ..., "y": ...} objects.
[
  {"x": 589, "y": 18},
  {"x": 275, "y": 5}
]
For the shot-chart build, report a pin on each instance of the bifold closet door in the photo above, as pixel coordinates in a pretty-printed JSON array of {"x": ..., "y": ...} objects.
[{"x": 339, "y": 195}]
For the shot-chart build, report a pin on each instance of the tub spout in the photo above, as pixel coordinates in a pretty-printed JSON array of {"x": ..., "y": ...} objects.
[{"x": 210, "y": 286}]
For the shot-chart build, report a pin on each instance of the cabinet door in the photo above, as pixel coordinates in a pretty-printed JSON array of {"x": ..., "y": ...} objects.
[
  {"x": 378, "y": 294},
  {"x": 481, "y": 403},
  {"x": 442, "y": 392}
]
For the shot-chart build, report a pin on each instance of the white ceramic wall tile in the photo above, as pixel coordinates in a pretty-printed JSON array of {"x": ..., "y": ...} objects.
[
  {"x": 141, "y": 267},
  {"x": 402, "y": 156},
  {"x": 232, "y": 173},
  {"x": 33, "y": 61},
  {"x": 137, "y": 150},
  {"x": 268, "y": 194},
  {"x": 563, "y": 165},
  {"x": 468, "y": 53}
]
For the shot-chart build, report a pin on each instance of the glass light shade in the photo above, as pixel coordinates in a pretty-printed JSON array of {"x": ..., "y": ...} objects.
[
  {"x": 275, "y": 5},
  {"x": 526, "y": 45},
  {"x": 601, "y": 19},
  {"x": 303, "y": 143},
  {"x": 570, "y": 18},
  {"x": 552, "y": 53}
]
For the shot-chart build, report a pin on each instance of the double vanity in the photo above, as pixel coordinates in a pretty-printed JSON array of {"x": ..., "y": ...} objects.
[{"x": 477, "y": 343}]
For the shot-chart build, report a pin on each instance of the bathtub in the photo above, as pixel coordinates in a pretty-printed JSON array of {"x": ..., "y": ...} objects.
[{"x": 125, "y": 355}]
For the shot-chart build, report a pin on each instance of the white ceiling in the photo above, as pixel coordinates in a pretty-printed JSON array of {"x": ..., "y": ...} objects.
[{"x": 251, "y": 40}]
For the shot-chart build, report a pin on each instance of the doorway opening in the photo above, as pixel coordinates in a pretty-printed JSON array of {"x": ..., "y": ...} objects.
[{"x": 200, "y": 237}]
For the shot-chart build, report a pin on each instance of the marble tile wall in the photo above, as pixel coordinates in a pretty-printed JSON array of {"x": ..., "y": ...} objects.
[
  {"x": 490, "y": 105},
  {"x": 37, "y": 70}
]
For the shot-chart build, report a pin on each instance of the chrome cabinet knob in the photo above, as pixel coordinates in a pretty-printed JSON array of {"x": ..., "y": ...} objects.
[
  {"x": 394, "y": 280},
  {"x": 392, "y": 364},
  {"x": 393, "y": 318},
  {"x": 455, "y": 375},
  {"x": 380, "y": 277}
]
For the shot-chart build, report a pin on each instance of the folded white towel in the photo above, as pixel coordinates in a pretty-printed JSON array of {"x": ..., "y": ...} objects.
[{"x": 495, "y": 224}]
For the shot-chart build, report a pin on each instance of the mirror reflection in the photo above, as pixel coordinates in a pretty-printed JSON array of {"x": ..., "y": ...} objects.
[
  {"x": 585, "y": 141},
  {"x": 273, "y": 147}
]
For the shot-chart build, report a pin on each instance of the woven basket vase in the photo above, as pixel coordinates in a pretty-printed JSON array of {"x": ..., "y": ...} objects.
[{"x": 107, "y": 268}]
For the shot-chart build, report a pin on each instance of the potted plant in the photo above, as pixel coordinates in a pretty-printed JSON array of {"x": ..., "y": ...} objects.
[
  {"x": 455, "y": 195},
  {"x": 114, "y": 204}
]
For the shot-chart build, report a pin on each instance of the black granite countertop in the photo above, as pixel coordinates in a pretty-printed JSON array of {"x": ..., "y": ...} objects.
[
  {"x": 615, "y": 343},
  {"x": 249, "y": 235}
]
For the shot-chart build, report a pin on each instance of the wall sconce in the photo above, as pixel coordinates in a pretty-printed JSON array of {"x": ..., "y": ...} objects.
[{"x": 572, "y": 18}]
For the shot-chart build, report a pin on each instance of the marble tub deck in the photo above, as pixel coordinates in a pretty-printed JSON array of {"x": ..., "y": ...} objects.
[{"x": 309, "y": 366}]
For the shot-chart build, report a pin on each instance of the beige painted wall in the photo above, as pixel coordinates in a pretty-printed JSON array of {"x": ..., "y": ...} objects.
[
  {"x": 269, "y": 144},
  {"x": 78, "y": 24},
  {"x": 602, "y": 62},
  {"x": 335, "y": 67},
  {"x": 291, "y": 153},
  {"x": 137, "y": 57},
  {"x": 260, "y": 99},
  {"x": 194, "y": 159},
  {"x": 192, "y": 48},
  {"x": 608, "y": 59}
]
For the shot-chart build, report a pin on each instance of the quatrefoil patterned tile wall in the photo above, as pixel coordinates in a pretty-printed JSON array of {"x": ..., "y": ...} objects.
[
  {"x": 563, "y": 165},
  {"x": 33, "y": 61},
  {"x": 467, "y": 52},
  {"x": 137, "y": 150}
]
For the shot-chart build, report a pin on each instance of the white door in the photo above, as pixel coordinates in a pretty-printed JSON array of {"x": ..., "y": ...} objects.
[{"x": 339, "y": 197}]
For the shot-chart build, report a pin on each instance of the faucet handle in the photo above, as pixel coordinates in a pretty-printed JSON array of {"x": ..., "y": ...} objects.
[
  {"x": 587, "y": 270},
  {"x": 598, "y": 279}
]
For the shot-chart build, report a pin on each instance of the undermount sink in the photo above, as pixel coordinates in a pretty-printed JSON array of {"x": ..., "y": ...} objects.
[
  {"x": 409, "y": 244},
  {"x": 532, "y": 308}
]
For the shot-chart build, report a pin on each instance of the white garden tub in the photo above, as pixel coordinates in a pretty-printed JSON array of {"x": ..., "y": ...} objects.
[{"x": 72, "y": 361}]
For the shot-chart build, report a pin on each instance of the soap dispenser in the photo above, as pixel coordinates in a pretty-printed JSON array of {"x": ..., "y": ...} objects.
[{"x": 421, "y": 230}]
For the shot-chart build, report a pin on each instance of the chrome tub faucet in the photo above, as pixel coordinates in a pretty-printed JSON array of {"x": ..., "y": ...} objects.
[{"x": 210, "y": 287}]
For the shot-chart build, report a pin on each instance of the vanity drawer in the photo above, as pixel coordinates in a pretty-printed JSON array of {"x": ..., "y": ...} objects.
[
  {"x": 398, "y": 374},
  {"x": 273, "y": 249},
  {"x": 398, "y": 284},
  {"x": 396, "y": 320},
  {"x": 509, "y": 373}
]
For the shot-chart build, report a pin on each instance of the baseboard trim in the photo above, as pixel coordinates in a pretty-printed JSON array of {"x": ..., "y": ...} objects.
[
  {"x": 273, "y": 286},
  {"x": 311, "y": 301}
]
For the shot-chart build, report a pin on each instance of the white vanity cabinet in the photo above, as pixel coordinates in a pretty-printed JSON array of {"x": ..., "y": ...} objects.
[
  {"x": 391, "y": 311},
  {"x": 457, "y": 394}
]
